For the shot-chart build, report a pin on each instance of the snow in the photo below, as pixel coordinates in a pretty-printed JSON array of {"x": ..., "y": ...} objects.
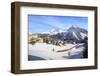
[
  {"x": 50, "y": 52},
  {"x": 75, "y": 35},
  {"x": 83, "y": 35},
  {"x": 45, "y": 32},
  {"x": 30, "y": 33},
  {"x": 56, "y": 31}
]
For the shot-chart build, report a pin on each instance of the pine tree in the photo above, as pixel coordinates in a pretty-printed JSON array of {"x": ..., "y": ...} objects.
[{"x": 85, "y": 50}]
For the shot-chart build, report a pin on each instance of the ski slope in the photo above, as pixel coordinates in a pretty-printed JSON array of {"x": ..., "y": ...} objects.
[{"x": 50, "y": 52}]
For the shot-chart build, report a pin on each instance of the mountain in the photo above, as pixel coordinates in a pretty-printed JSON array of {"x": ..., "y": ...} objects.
[
  {"x": 72, "y": 34},
  {"x": 75, "y": 33}
]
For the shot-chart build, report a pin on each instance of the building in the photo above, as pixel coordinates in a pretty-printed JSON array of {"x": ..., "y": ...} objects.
[{"x": 33, "y": 38}]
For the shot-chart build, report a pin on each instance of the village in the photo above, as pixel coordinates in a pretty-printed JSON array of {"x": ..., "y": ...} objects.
[{"x": 45, "y": 38}]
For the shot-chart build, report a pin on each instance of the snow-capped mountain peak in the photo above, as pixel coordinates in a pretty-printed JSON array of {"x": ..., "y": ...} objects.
[
  {"x": 55, "y": 31},
  {"x": 76, "y": 33}
]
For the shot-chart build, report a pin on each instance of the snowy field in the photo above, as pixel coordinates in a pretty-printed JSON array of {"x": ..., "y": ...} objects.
[{"x": 43, "y": 51}]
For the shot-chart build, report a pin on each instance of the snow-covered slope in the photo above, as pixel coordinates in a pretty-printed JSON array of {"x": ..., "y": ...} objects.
[
  {"x": 83, "y": 35},
  {"x": 50, "y": 52},
  {"x": 75, "y": 35}
]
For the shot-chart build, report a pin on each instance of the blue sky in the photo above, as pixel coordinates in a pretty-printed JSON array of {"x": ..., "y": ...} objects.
[{"x": 42, "y": 23}]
